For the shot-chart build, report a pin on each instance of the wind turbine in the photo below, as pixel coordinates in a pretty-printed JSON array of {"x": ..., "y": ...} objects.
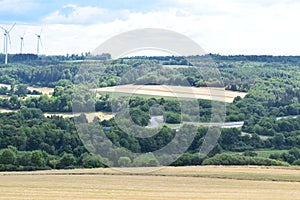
[
  {"x": 22, "y": 42},
  {"x": 39, "y": 42},
  {"x": 6, "y": 38}
]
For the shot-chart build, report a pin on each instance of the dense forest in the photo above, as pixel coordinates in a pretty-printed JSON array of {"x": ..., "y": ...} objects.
[{"x": 29, "y": 140}]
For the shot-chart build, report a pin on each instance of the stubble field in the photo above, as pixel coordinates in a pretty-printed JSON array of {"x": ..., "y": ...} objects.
[
  {"x": 203, "y": 182},
  {"x": 209, "y": 93}
]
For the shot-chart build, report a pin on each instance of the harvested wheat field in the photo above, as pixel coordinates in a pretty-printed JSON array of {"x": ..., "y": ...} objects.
[
  {"x": 216, "y": 94},
  {"x": 3, "y": 110},
  {"x": 90, "y": 116},
  {"x": 44, "y": 90},
  {"x": 203, "y": 182}
]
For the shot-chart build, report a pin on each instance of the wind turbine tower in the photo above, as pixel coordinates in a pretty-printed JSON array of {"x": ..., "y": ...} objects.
[
  {"x": 6, "y": 39},
  {"x": 22, "y": 43},
  {"x": 4, "y": 42},
  {"x": 39, "y": 42}
]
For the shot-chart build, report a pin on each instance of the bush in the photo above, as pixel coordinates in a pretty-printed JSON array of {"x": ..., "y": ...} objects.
[
  {"x": 23, "y": 158},
  {"x": 124, "y": 162},
  {"x": 37, "y": 158},
  {"x": 188, "y": 159},
  {"x": 296, "y": 162},
  {"x": 173, "y": 118},
  {"x": 145, "y": 160},
  {"x": 92, "y": 162},
  {"x": 8, "y": 157},
  {"x": 250, "y": 153},
  {"x": 67, "y": 161},
  {"x": 8, "y": 167},
  {"x": 235, "y": 159},
  {"x": 139, "y": 117}
]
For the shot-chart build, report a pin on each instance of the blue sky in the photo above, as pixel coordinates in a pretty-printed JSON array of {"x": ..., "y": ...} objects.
[
  {"x": 33, "y": 11},
  {"x": 225, "y": 27}
]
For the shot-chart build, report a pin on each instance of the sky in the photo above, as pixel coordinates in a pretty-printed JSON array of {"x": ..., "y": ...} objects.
[{"x": 227, "y": 27}]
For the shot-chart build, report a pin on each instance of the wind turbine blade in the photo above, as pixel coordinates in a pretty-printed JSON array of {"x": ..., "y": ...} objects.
[
  {"x": 12, "y": 27},
  {"x": 41, "y": 31},
  {"x": 41, "y": 42},
  {"x": 2, "y": 28},
  {"x": 9, "y": 38},
  {"x": 4, "y": 44}
]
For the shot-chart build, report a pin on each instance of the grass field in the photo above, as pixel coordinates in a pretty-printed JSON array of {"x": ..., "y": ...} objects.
[
  {"x": 267, "y": 153},
  {"x": 203, "y": 182}
]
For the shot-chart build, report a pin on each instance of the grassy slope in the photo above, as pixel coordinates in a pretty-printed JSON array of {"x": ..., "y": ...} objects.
[{"x": 267, "y": 153}]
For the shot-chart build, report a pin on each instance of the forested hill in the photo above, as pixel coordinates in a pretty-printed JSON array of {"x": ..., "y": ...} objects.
[
  {"x": 257, "y": 58},
  {"x": 15, "y": 58},
  {"x": 217, "y": 58},
  {"x": 30, "y": 139}
]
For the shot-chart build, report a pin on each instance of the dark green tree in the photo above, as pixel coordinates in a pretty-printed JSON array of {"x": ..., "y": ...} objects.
[
  {"x": 37, "y": 158},
  {"x": 8, "y": 157}
]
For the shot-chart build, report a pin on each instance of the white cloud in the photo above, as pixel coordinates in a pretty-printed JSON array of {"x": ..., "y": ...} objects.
[
  {"x": 73, "y": 14},
  {"x": 231, "y": 27},
  {"x": 239, "y": 27}
]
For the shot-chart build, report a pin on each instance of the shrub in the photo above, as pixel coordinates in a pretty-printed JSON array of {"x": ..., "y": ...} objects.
[
  {"x": 8, "y": 157},
  {"x": 145, "y": 160},
  {"x": 296, "y": 162},
  {"x": 124, "y": 162},
  {"x": 235, "y": 159},
  {"x": 188, "y": 159}
]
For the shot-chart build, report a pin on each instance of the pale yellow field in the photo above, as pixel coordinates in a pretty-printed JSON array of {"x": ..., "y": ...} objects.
[
  {"x": 3, "y": 110},
  {"x": 90, "y": 116},
  {"x": 216, "y": 94},
  {"x": 44, "y": 90},
  {"x": 204, "y": 182},
  {"x": 4, "y": 85}
]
